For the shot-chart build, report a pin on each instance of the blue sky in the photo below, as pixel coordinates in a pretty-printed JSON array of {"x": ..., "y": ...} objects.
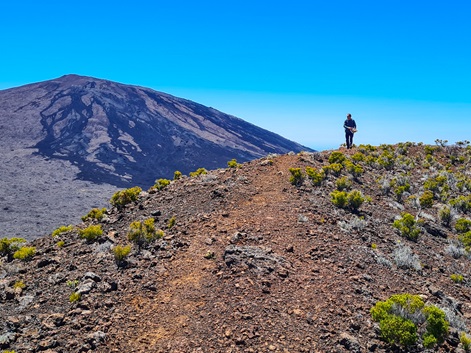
[{"x": 401, "y": 68}]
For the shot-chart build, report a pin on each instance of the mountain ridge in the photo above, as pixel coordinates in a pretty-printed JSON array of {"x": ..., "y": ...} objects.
[{"x": 257, "y": 257}]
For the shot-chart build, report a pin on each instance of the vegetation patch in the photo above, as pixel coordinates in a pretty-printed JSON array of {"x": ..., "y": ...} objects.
[
  {"x": 62, "y": 229},
  {"x": 95, "y": 213},
  {"x": 124, "y": 197},
  {"x": 405, "y": 320},
  {"x": 91, "y": 233},
  {"x": 407, "y": 226}
]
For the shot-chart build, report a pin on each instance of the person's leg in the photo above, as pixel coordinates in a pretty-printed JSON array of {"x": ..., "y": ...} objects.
[
  {"x": 351, "y": 139},
  {"x": 347, "y": 139}
]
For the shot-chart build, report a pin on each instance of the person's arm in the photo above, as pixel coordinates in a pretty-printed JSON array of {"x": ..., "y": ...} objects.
[{"x": 354, "y": 124}]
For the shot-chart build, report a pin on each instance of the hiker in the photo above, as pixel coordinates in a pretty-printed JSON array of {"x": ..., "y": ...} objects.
[{"x": 350, "y": 127}]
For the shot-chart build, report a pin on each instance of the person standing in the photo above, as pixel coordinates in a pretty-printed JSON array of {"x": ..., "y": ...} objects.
[{"x": 350, "y": 127}]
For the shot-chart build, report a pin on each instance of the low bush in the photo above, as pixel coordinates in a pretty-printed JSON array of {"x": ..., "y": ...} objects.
[
  {"x": 25, "y": 253},
  {"x": 465, "y": 239},
  {"x": 233, "y": 164},
  {"x": 171, "y": 222},
  {"x": 426, "y": 199},
  {"x": 95, "y": 213},
  {"x": 404, "y": 318},
  {"x": 465, "y": 341},
  {"x": 337, "y": 157},
  {"x": 457, "y": 278},
  {"x": 9, "y": 245},
  {"x": 161, "y": 184},
  {"x": 91, "y": 233},
  {"x": 296, "y": 177},
  {"x": 144, "y": 232},
  {"x": 197, "y": 172},
  {"x": 19, "y": 284},
  {"x": 74, "y": 297},
  {"x": 407, "y": 226},
  {"x": 317, "y": 177},
  {"x": 121, "y": 252},
  {"x": 343, "y": 183},
  {"x": 352, "y": 200},
  {"x": 336, "y": 168},
  {"x": 354, "y": 169},
  {"x": 355, "y": 199},
  {"x": 124, "y": 197},
  {"x": 177, "y": 175},
  {"x": 446, "y": 215},
  {"x": 339, "y": 198},
  {"x": 62, "y": 229},
  {"x": 463, "y": 225}
]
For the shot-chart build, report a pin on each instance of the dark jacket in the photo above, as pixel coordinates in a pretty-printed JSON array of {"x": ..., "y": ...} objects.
[{"x": 349, "y": 123}]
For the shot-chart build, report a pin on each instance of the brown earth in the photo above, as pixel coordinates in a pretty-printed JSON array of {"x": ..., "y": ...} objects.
[{"x": 253, "y": 264}]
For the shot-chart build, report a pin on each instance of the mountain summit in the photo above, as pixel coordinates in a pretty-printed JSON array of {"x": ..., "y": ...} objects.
[
  {"x": 128, "y": 135},
  {"x": 69, "y": 143}
]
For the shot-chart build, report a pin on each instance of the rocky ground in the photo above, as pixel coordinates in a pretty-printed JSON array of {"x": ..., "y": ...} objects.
[{"x": 252, "y": 264}]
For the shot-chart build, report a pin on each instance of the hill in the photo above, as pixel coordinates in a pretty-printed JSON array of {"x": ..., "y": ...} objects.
[
  {"x": 251, "y": 259},
  {"x": 78, "y": 137}
]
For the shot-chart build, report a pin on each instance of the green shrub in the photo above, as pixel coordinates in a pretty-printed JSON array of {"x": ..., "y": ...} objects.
[
  {"x": 343, "y": 183},
  {"x": 199, "y": 171},
  {"x": 353, "y": 169},
  {"x": 386, "y": 160},
  {"x": 95, "y": 213},
  {"x": 337, "y": 157},
  {"x": 465, "y": 238},
  {"x": 407, "y": 226},
  {"x": 429, "y": 341},
  {"x": 403, "y": 315},
  {"x": 355, "y": 199},
  {"x": 463, "y": 225},
  {"x": 465, "y": 340},
  {"x": 426, "y": 200},
  {"x": 91, "y": 233},
  {"x": 445, "y": 216},
  {"x": 9, "y": 245},
  {"x": 397, "y": 330},
  {"x": 462, "y": 203},
  {"x": 316, "y": 176},
  {"x": 74, "y": 297},
  {"x": 62, "y": 229},
  {"x": 437, "y": 326},
  {"x": 60, "y": 244},
  {"x": 336, "y": 168},
  {"x": 124, "y": 197},
  {"x": 171, "y": 222},
  {"x": 177, "y": 175},
  {"x": 143, "y": 232},
  {"x": 161, "y": 184},
  {"x": 233, "y": 164},
  {"x": 339, "y": 198},
  {"x": 457, "y": 278},
  {"x": 352, "y": 200},
  {"x": 358, "y": 157},
  {"x": 19, "y": 284},
  {"x": 25, "y": 253},
  {"x": 296, "y": 177},
  {"x": 121, "y": 252},
  {"x": 72, "y": 283}
]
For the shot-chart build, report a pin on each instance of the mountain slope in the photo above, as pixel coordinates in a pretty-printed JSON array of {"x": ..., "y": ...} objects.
[
  {"x": 252, "y": 262},
  {"x": 127, "y": 135},
  {"x": 68, "y": 140}
]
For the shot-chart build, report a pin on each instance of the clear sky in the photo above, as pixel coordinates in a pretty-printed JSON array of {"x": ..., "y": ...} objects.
[{"x": 401, "y": 68}]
